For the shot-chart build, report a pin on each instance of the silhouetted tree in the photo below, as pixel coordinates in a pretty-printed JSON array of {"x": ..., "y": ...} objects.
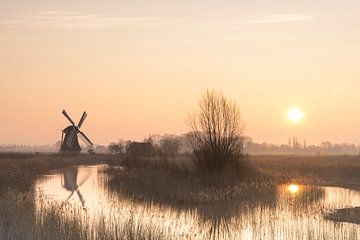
[
  {"x": 115, "y": 147},
  {"x": 216, "y": 137},
  {"x": 169, "y": 146}
]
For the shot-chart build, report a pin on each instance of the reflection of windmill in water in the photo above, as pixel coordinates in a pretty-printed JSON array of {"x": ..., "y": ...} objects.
[
  {"x": 69, "y": 137},
  {"x": 69, "y": 181}
]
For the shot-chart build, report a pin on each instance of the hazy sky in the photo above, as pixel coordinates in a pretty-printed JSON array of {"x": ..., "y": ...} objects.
[{"x": 139, "y": 67}]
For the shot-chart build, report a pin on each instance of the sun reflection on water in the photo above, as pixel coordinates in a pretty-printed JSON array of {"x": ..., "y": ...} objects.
[{"x": 293, "y": 188}]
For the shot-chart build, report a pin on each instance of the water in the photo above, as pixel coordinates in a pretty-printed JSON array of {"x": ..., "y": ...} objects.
[{"x": 290, "y": 212}]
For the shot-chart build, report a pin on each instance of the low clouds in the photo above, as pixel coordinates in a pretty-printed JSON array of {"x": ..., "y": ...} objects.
[
  {"x": 68, "y": 20},
  {"x": 280, "y": 18},
  {"x": 81, "y": 20}
]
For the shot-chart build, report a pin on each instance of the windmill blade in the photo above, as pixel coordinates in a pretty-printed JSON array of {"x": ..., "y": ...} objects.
[
  {"x": 83, "y": 180},
  {"x": 82, "y": 119},
  {"x": 68, "y": 117},
  {"x": 81, "y": 198},
  {"x": 67, "y": 198},
  {"x": 62, "y": 139},
  {"x": 85, "y": 138}
]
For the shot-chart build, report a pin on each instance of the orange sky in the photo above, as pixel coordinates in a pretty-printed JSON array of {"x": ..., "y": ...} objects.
[{"x": 139, "y": 67}]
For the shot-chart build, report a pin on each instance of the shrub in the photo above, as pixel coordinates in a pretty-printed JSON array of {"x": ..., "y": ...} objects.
[{"x": 216, "y": 135}]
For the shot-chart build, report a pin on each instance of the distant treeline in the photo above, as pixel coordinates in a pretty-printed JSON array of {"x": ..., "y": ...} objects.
[
  {"x": 168, "y": 144},
  {"x": 175, "y": 144},
  {"x": 54, "y": 148},
  {"x": 297, "y": 148}
]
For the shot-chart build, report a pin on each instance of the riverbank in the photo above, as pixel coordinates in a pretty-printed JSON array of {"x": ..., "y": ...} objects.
[
  {"x": 19, "y": 171},
  {"x": 327, "y": 170},
  {"x": 175, "y": 181}
]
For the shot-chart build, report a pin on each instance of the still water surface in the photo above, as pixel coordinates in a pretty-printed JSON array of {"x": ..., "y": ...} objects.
[{"x": 291, "y": 212}]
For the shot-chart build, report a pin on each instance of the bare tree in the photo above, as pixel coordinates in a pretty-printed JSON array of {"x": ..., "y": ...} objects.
[
  {"x": 116, "y": 148},
  {"x": 216, "y": 131}
]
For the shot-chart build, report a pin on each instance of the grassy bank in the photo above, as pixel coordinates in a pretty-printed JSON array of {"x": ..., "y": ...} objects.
[
  {"x": 328, "y": 170},
  {"x": 176, "y": 181},
  {"x": 19, "y": 171}
]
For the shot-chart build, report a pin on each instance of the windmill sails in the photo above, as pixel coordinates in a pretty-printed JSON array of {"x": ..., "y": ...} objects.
[{"x": 70, "y": 142}]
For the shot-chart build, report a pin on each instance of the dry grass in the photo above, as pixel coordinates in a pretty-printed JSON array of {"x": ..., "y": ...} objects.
[
  {"x": 176, "y": 180},
  {"x": 19, "y": 221}
]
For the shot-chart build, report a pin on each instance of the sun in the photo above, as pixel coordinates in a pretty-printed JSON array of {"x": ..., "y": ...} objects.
[{"x": 295, "y": 115}]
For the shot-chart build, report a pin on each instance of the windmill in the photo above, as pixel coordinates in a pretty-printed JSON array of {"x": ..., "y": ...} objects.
[{"x": 69, "y": 136}]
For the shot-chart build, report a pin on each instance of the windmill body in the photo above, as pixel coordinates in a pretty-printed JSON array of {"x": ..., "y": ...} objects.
[
  {"x": 74, "y": 147},
  {"x": 69, "y": 137}
]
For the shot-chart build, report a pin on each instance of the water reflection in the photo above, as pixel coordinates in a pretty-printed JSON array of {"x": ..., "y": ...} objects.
[
  {"x": 214, "y": 215},
  {"x": 280, "y": 213},
  {"x": 69, "y": 181},
  {"x": 301, "y": 195}
]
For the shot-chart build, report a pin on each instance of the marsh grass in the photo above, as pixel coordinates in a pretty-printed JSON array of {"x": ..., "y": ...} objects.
[
  {"x": 156, "y": 185},
  {"x": 51, "y": 221},
  {"x": 331, "y": 170},
  {"x": 177, "y": 180},
  {"x": 218, "y": 198},
  {"x": 214, "y": 202}
]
